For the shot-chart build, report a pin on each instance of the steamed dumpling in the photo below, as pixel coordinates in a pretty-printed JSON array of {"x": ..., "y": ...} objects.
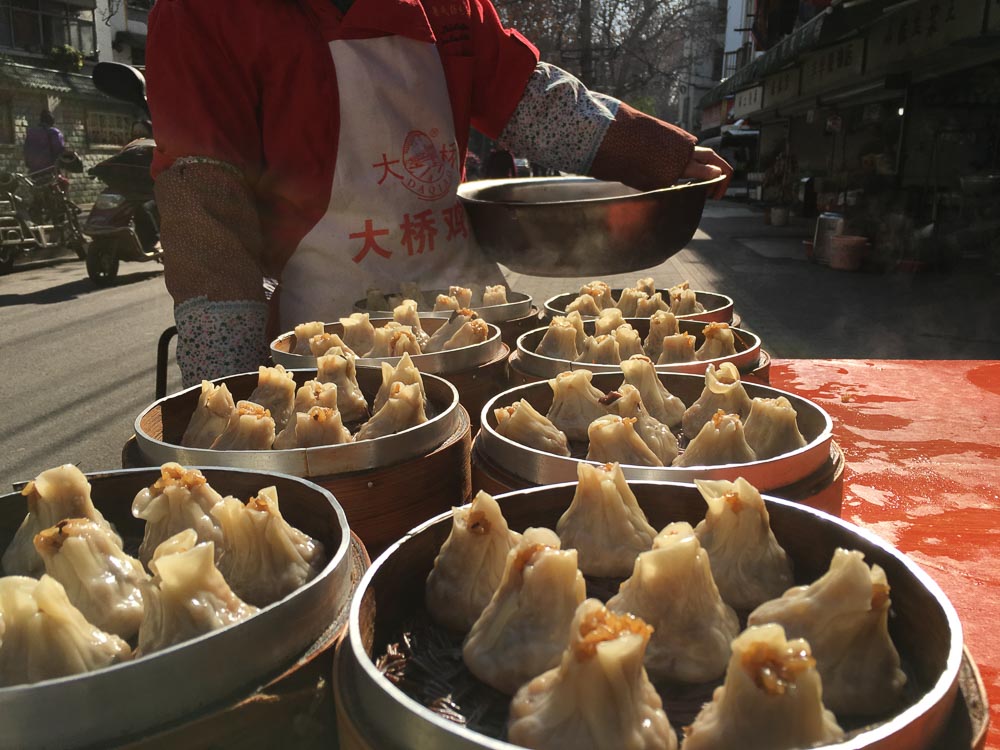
[
  {"x": 749, "y": 565},
  {"x": 671, "y": 588},
  {"x": 559, "y": 340},
  {"x": 470, "y": 564},
  {"x": 628, "y": 302},
  {"x": 341, "y": 370},
  {"x": 629, "y": 341},
  {"x": 472, "y": 332},
  {"x": 523, "y": 424},
  {"x": 250, "y": 428},
  {"x": 601, "y": 292},
  {"x": 661, "y": 324},
  {"x": 406, "y": 314},
  {"x": 685, "y": 302},
  {"x": 719, "y": 342},
  {"x": 525, "y": 627},
  {"x": 359, "y": 333},
  {"x": 275, "y": 391},
  {"x": 608, "y": 320},
  {"x": 55, "y": 494},
  {"x": 676, "y": 349},
  {"x": 772, "y": 699},
  {"x": 447, "y": 330},
  {"x": 393, "y": 340},
  {"x": 44, "y": 636},
  {"x": 614, "y": 439},
  {"x": 585, "y": 304},
  {"x": 210, "y": 417},
  {"x": 263, "y": 557},
  {"x": 600, "y": 350},
  {"x": 646, "y": 284},
  {"x": 462, "y": 294},
  {"x": 771, "y": 428},
  {"x": 599, "y": 695},
  {"x": 495, "y": 295},
  {"x": 656, "y": 435},
  {"x": 645, "y": 308},
  {"x": 403, "y": 409},
  {"x": 445, "y": 302},
  {"x": 314, "y": 393},
  {"x": 723, "y": 390},
  {"x": 575, "y": 403},
  {"x": 721, "y": 441},
  {"x": 404, "y": 372},
  {"x": 323, "y": 342},
  {"x": 661, "y": 404},
  {"x": 321, "y": 425},
  {"x": 604, "y": 523},
  {"x": 303, "y": 333},
  {"x": 844, "y": 615},
  {"x": 103, "y": 582}
]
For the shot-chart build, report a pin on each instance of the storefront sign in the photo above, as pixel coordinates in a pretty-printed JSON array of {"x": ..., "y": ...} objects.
[
  {"x": 832, "y": 66},
  {"x": 923, "y": 27},
  {"x": 993, "y": 24},
  {"x": 748, "y": 101},
  {"x": 781, "y": 87}
]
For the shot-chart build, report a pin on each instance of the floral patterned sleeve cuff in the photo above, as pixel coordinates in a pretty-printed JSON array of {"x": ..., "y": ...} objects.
[
  {"x": 559, "y": 123},
  {"x": 218, "y": 338}
]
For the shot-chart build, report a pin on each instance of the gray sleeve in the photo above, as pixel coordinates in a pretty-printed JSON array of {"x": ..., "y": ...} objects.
[{"x": 559, "y": 123}]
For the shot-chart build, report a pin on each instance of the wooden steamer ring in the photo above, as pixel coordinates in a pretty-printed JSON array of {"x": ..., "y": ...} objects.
[
  {"x": 479, "y": 384},
  {"x": 511, "y": 330}
]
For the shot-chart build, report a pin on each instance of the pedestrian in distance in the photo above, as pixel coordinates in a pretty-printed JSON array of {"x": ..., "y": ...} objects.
[{"x": 43, "y": 144}]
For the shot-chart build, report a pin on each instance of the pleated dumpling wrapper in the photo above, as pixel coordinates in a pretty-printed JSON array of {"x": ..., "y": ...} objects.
[
  {"x": 661, "y": 325},
  {"x": 323, "y": 342},
  {"x": 723, "y": 390},
  {"x": 748, "y": 564},
  {"x": 772, "y": 699},
  {"x": 629, "y": 341},
  {"x": 210, "y": 417},
  {"x": 44, "y": 636},
  {"x": 470, "y": 564},
  {"x": 601, "y": 292},
  {"x": 719, "y": 342},
  {"x": 321, "y": 425},
  {"x": 685, "y": 302},
  {"x": 604, "y": 522},
  {"x": 646, "y": 308},
  {"x": 599, "y": 696},
  {"x": 614, "y": 439},
  {"x": 771, "y": 428},
  {"x": 661, "y": 403},
  {"x": 263, "y": 557},
  {"x": 445, "y": 302},
  {"x": 404, "y": 372},
  {"x": 187, "y": 595},
  {"x": 628, "y": 302},
  {"x": 103, "y": 582},
  {"x": 462, "y": 294},
  {"x": 55, "y": 494},
  {"x": 250, "y": 428},
  {"x": 406, "y": 313},
  {"x": 495, "y": 295},
  {"x": 656, "y": 435},
  {"x": 473, "y": 332},
  {"x": 646, "y": 284},
  {"x": 524, "y": 424},
  {"x": 585, "y": 304},
  {"x": 608, "y": 320},
  {"x": 341, "y": 370},
  {"x": 600, "y": 350},
  {"x": 721, "y": 441},
  {"x": 575, "y": 403},
  {"x": 844, "y": 615},
  {"x": 359, "y": 333},
  {"x": 677, "y": 349},
  {"x": 671, "y": 588},
  {"x": 314, "y": 393},
  {"x": 180, "y": 499},
  {"x": 559, "y": 340},
  {"x": 403, "y": 409},
  {"x": 444, "y": 333},
  {"x": 525, "y": 627},
  {"x": 393, "y": 340},
  {"x": 275, "y": 391},
  {"x": 304, "y": 332}
]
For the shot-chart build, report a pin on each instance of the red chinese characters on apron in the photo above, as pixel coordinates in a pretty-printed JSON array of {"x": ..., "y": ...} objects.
[{"x": 394, "y": 215}]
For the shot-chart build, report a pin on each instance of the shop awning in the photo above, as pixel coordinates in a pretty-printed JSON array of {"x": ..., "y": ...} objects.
[{"x": 15, "y": 75}]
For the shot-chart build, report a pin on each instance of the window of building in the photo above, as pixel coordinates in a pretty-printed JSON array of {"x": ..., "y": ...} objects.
[
  {"x": 40, "y": 25},
  {"x": 108, "y": 129},
  {"x": 6, "y": 121},
  {"x": 138, "y": 10}
]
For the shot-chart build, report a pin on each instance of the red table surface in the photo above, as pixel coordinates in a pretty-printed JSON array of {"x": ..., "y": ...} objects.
[{"x": 922, "y": 444}]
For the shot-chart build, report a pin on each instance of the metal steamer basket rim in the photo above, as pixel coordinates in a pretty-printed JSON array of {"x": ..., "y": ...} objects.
[
  {"x": 131, "y": 699},
  {"x": 517, "y": 306},
  {"x": 718, "y": 307},
  {"x": 381, "y": 697}
]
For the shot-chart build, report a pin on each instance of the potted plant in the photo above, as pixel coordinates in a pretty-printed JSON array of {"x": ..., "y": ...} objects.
[{"x": 66, "y": 58}]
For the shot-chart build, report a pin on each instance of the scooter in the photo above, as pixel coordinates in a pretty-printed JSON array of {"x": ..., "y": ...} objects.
[
  {"x": 123, "y": 223},
  {"x": 37, "y": 217}
]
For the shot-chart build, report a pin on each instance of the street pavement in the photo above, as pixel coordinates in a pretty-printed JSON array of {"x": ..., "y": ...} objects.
[{"x": 77, "y": 363}]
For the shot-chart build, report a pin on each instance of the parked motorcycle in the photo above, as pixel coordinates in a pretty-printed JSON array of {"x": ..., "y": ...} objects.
[
  {"x": 37, "y": 214},
  {"x": 123, "y": 223}
]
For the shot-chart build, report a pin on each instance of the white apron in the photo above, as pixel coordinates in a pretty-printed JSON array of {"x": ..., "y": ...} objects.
[{"x": 394, "y": 215}]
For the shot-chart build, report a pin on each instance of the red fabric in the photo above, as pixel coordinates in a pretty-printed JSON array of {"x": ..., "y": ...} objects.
[{"x": 254, "y": 85}]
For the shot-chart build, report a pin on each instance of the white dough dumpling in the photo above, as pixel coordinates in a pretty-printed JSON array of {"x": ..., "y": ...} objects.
[
  {"x": 723, "y": 390},
  {"x": 677, "y": 349},
  {"x": 600, "y": 350},
  {"x": 341, "y": 370},
  {"x": 599, "y": 695},
  {"x": 719, "y": 342},
  {"x": 721, "y": 441},
  {"x": 604, "y": 522},
  {"x": 614, "y": 439},
  {"x": 659, "y": 402},
  {"x": 404, "y": 372},
  {"x": 322, "y": 343},
  {"x": 601, "y": 292},
  {"x": 608, "y": 320},
  {"x": 304, "y": 332},
  {"x": 470, "y": 564},
  {"x": 250, "y": 428},
  {"x": 575, "y": 403},
  {"x": 359, "y": 333},
  {"x": 661, "y": 325},
  {"x": 524, "y": 424},
  {"x": 559, "y": 340},
  {"x": 275, "y": 391},
  {"x": 495, "y": 295},
  {"x": 321, "y": 425},
  {"x": 210, "y": 417},
  {"x": 656, "y": 435},
  {"x": 771, "y": 428},
  {"x": 402, "y": 410}
]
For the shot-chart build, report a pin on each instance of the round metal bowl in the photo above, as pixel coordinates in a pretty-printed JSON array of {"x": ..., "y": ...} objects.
[
  {"x": 158, "y": 431},
  {"x": 718, "y": 307},
  {"x": 532, "y": 363},
  {"x": 453, "y": 360},
  {"x": 133, "y": 699},
  {"x": 578, "y": 226},
  {"x": 517, "y": 306},
  {"x": 923, "y": 625},
  {"x": 539, "y": 468}
]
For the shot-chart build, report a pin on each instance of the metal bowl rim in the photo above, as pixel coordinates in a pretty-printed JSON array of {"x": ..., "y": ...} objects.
[
  {"x": 938, "y": 691},
  {"x": 335, "y": 561},
  {"x": 468, "y": 190}
]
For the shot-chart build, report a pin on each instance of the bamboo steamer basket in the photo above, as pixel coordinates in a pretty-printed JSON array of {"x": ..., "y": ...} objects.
[
  {"x": 385, "y": 485},
  {"x": 374, "y": 712},
  {"x": 478, "y": 371},
  {"x": 812, "y": 474},
  {"x": 532, "y": 364},
  {"x": 203, "y": 677},
  {"x": 718, "y": 307}
]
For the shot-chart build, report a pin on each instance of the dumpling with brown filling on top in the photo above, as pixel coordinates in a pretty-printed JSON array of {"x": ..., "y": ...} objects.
[
  {"x": 471, "y": 333},
  {"x": 719, "y": 342},
  {"x": 685, "y": 302},
  {"x": 404, "y": 372},
  {"x": 304, "y": 332},
  {"x": 626, "y": 402},
  {"x": 210, "y": 417},
  {"x": 629, "y": 341},
  {"x": 585, "y": 304},
  {"x": 494, "y": 295},
  {"x": 748, "y": 564},
  {"x": 671, "y": 587},
  {"x": 359, "y": 333},
  {"x": 772, "y": 428},
  {"x": 470, "y": 564},
  {"x": 405, "y": 408},
  {"x": 660, "y": 402},
  {"x": 599, "y": 696},
  {"x": 600, "y": 350},
  {"x": 559, "y": 340},
  {"x": 55, "y": 494},
  {"x": 844, "y": 615},
  {"x": 723, "y": 390},
  {"x": 772, "y": 698},
  {"x": 341, "y": 370},
  {"x": 524, "y": 424},
  {"x": 604, "y": 522},
  {"x": 525, "y": 627},
  {"x": 614, "y": 439},
  {"x": 323, "y": 342},
  {"x": 445, "y": 302},
  {"x": 275, "y": 391},
  {"x": 314, "y": 393},
  {"x": 661, "y": 323},
  {"x": 721, "y": 441},
  {"x": 608, "y": 320},
  {"x": 448, "y": 329},
  {"x": 462, "y": 294},
  {"x": 320, "y": 425},
  {"x": 393, "y": 340},
  {"x": 646, "y": 308},
  {"x": 628, "y": 301},
  {"x": 405, "y": 313},
  {"x": 601, "y": 292},
  {"x": 677, "y": 348},
  {"x": 250, "y": 428},
  {"x": 575, "y": 403}
]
